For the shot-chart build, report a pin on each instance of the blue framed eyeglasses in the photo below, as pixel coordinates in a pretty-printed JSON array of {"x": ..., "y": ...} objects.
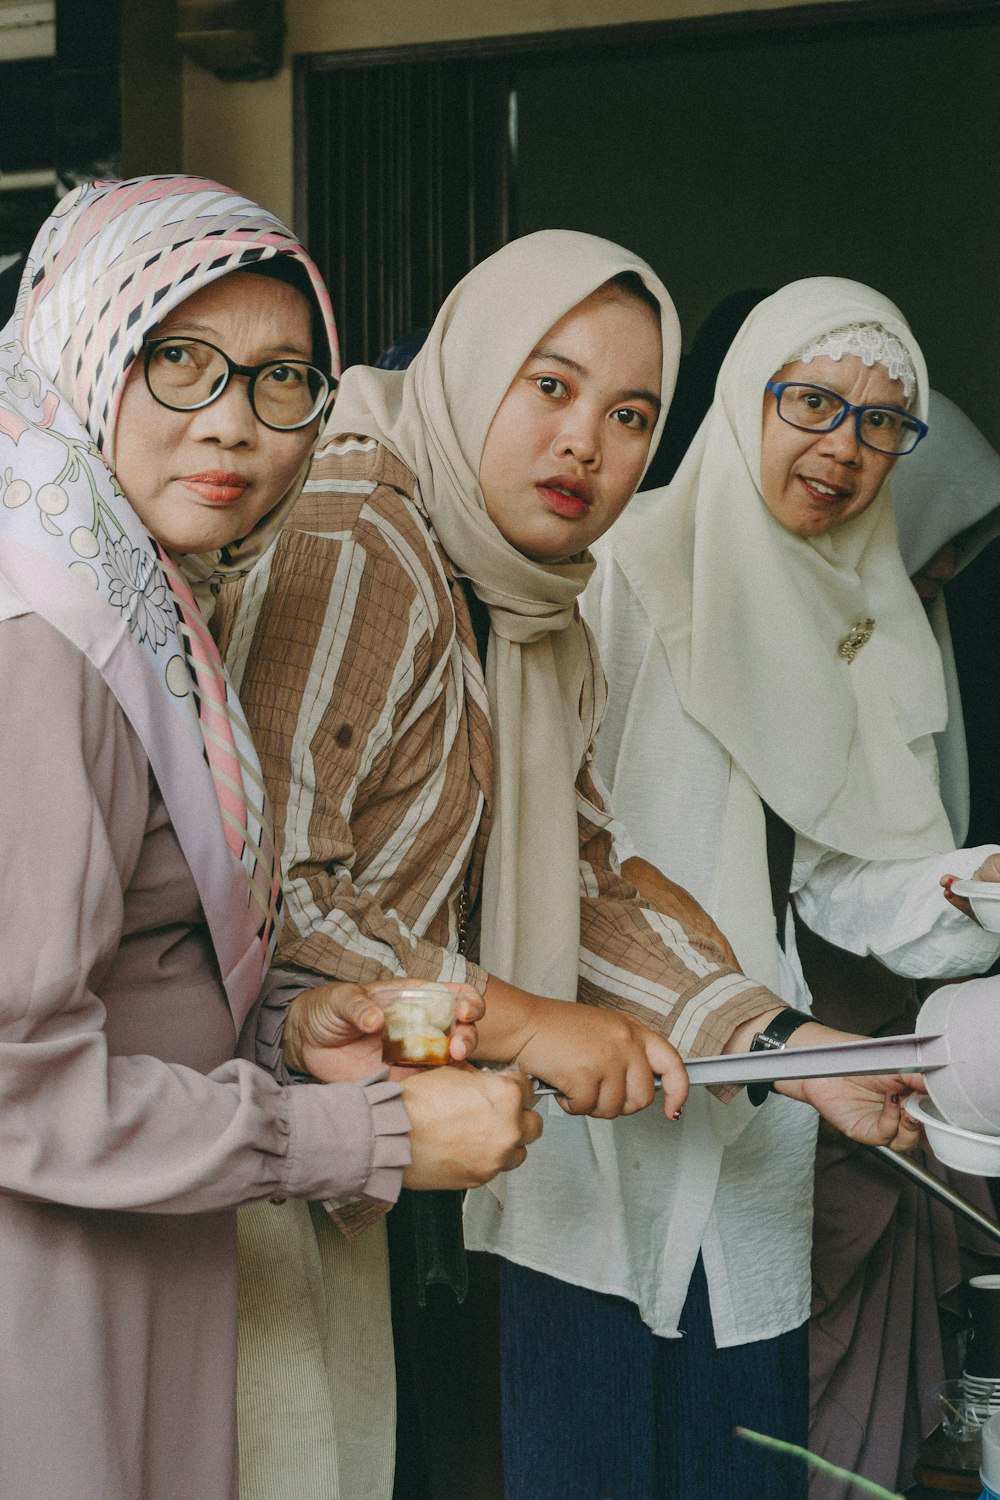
[
  {"x": 813, "y": 408},
  {"x": 187, "y": 374}
]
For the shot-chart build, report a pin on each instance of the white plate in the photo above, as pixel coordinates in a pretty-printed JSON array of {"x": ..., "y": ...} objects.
[
  {"x": 984, "y": 897},
  {"x": 966, "y": 1150}
]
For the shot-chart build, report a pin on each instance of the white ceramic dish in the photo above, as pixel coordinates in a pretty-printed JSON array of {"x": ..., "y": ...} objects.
[
  {"x": 984, "y": 898},
  {"x": 966, "y": 1150}
]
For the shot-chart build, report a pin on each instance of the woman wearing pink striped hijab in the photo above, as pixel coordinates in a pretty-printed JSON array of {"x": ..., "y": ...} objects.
[{"x": 172, "y": 344}]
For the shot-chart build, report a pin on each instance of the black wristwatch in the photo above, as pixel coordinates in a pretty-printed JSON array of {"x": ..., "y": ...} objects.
[{"x": 773, "y": 1039}]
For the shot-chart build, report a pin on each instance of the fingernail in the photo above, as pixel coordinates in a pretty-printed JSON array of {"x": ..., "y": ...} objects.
[{"x": 370, "y": 1018}]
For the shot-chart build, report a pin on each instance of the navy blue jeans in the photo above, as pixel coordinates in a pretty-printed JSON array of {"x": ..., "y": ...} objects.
[{"x": 596, "y": 1407}]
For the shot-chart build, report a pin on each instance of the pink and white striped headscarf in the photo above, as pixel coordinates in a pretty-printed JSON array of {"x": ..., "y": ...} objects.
[{"x": 108, "y": 264}]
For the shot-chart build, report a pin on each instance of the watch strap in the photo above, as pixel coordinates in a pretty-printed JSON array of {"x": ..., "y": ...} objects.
[{"x": 774, "y": 1038}]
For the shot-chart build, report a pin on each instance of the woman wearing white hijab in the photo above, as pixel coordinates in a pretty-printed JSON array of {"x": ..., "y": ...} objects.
[
  {"x": 887, "y": 1261},
  {"x": 764, "y": 646},
  {"x": 446, "y": 520}
]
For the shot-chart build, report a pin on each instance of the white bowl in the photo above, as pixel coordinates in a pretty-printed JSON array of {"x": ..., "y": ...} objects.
[
  {"x": 967, "y": 1015},
  {"x": 984, "y": 898},
  {"x": 966, "y": 1150}
]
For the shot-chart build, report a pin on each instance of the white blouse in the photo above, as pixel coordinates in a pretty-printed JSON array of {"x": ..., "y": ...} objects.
[{"x": 625, "y": 1206}]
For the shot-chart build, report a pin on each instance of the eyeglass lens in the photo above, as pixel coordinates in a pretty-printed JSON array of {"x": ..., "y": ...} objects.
[
  {"x": 881, "y": 427},
  {"x": 187, "y": 373}
]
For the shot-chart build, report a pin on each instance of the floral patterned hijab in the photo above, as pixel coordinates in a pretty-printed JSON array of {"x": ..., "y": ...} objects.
[{"x": 107, "y": 265}]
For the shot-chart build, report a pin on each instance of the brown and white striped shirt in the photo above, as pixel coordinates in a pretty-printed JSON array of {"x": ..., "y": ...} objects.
[{"x": 352, "y": 647}]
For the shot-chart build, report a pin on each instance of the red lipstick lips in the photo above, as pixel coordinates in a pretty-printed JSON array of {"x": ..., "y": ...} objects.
[
  {"x": 565, "y": 496},
  {"x": 216, "y": 487}
]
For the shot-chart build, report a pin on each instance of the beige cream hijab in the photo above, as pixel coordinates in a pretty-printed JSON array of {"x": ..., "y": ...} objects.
[
  {"x": 541, "y": 661},
  {"x": 751, "y": 617}
]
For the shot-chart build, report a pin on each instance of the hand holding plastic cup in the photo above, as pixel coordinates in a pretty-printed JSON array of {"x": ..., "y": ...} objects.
[{"x": 419, "y": 1015}]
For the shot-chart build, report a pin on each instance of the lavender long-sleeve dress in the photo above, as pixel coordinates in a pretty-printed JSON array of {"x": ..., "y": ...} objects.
[{"x": 127, "y": 1130}]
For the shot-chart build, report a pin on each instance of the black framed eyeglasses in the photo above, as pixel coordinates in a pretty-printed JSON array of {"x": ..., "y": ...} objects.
[
  {"x": 813, "y": 408},
  {"x": 187, "y": 374}
]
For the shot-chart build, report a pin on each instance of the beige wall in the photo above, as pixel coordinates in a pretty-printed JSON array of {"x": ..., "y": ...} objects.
[
  {"x": 152, "y": 105},
  {"x": 241, "y": 133},
  {"x": 333, "y": 25}
]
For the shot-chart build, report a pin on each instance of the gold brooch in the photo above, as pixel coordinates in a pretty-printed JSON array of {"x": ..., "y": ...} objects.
[{"x": 855, "y": 638}]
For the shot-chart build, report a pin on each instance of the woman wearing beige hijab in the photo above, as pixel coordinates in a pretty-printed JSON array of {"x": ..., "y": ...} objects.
[
  {"x": 426, "y": 694},
  {"x": 775, "y": 688}
]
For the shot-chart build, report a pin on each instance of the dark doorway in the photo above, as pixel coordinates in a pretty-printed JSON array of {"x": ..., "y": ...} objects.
[
  {"x": 404, "y": 186},
  {"x": 852, "y": 139}
]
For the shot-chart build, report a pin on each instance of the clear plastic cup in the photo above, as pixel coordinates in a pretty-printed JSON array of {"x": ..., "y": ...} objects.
[
  {"x": 419, "y": 1015},
  {"x": 959, "y": 1418}
]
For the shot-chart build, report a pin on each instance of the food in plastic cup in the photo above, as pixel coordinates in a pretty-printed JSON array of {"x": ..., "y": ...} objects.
[{"x": 418, "y": 1019}]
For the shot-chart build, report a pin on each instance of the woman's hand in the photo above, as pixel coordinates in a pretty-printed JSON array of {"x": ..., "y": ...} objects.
[
  {"x": 868, "y": 1109},
  {"x": 601, "y": 1062},
  {"x": 988, "y": 870},
  {"x": 334, "y": 1032},
  {"x": 466, "y": 1125},
  {"x": 864, "y": 1108}
]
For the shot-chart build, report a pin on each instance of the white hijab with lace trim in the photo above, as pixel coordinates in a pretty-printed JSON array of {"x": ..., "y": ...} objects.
[
  {"x": 751, "y": 617},
  {"x": 435, "y": 417}
]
